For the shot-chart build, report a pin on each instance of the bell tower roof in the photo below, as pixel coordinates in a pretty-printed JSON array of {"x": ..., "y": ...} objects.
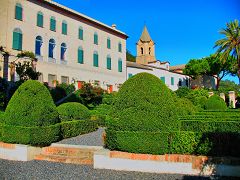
[{"x": 145, "y": 37}]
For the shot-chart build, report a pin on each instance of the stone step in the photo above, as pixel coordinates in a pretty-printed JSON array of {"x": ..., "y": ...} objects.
[
  {"x": 70, "y": 152},
  {"x": 65, "y": 159}
]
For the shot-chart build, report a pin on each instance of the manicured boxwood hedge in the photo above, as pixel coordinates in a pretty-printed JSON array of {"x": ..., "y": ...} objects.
[
  {"x": 210, "y": 126},
  {"x": 31, "y": 105},
  {"x": 145, "y": 103},
  {"x": 179, "y": 142},
  {"x": 77, "y": 127},
  {"x": 215, "y": 103},
  {"x": 1, "y": 131},
  {"x": 44, "y": 135},
  {"x": 73, "y": 111},
  {"x": 137, "y": 141}
]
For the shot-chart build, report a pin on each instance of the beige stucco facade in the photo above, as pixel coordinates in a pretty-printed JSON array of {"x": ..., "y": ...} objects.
[{"x": 70, "y": 68}]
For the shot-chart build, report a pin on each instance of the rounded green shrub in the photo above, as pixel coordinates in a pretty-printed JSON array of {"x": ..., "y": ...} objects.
[
  {"x": 144, "y": 103},
  {"x": 185, "y": 107},
  {"x": 31, "y": 105},
  {"x": 73, "y": 111},
  {"x": 215, "y": 103}
]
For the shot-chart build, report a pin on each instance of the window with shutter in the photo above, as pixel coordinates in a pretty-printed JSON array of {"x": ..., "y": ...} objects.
[
  {"x": 40, "y": 19},
  {"x": 18, "y": 12},
  {"x": 109, "y": 63},
  {"x": 80, "y": 55},
  {"x": 80, "y": 33},
  {"x": 52, "y": 24},
  {"x": 17, "y": 39},
  {"x": 119, "y": 65}
]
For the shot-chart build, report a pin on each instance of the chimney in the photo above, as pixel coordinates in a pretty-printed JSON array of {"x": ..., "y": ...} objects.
[{"x": 114, "y": 26}]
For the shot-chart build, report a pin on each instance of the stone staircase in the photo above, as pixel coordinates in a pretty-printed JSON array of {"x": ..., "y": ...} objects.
[{"x": 73, "y": 154}]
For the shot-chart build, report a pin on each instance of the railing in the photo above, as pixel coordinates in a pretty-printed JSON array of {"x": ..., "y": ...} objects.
[
  {"x": 39, "y": 57},
  {"x": 51, "y": 60},
  {"x": 63, "y": 62}
]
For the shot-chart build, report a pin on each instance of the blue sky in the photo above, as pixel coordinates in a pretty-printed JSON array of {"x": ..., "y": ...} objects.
[{"x": 181, "y": 29}]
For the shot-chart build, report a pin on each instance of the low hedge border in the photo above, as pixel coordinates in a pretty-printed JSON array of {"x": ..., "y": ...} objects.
[
  {"x": 41, "y": 136},
  {"x": 210, "y": 126},
  {"x": 179, "y": 142},
  {"x": 76, "y": 127},
  {"x": 1, "y": 131}
]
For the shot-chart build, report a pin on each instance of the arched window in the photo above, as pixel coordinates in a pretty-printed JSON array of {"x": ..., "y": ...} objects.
[
  {"x": 141, "y": 50},
  {"x": 52, "y": 24},
  {"x": 63, "y": 51},
  {"x": 108, "y": 43},
  {"x": 119, "y": 65},
  {"x": 17, "y": 39},
  {"x": 38, "y": 45},
  {"x": 109, "y": 62},
  {"x": 40, "y": 19},
  {"x": 18, "y": 12},
  {"x": 64, "y": 27},
  {"x": 95, "y": 59},
  {"x": 119, "y": 47},
  {"x": 80, "y": 33},
  {"x": 51, "y": 47},
  {"x": 80, "y": 55},
  {"x": 95, "y": 38}
]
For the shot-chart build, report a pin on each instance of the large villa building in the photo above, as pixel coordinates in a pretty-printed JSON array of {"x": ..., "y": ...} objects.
[
  {"x": 70, "y": 47},
  {"x": 73, "y": 48}
]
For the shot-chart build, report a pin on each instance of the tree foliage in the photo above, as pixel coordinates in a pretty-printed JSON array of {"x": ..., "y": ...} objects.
[
  {"x": 230, "y": 44},
  {"x": 211, "y": 66},
  {"x": 130, "y": 57},
  {"x": 26, "y": 72}
]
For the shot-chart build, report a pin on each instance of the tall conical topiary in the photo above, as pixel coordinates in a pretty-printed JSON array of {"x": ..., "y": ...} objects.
[
  {"x": 31, "y": 116},
  {"x": 145, "y": 103}
]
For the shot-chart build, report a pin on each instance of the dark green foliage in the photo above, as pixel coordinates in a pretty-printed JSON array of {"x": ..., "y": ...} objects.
[
  {"x": 73, "y": 111},
  {"x": 138, "y": 142},
  {"x": 31, "y": 135},
  {"x": 227, "y": 85},
  {"x": 75, "y": 128},
  {"x": 183, "y": 92},
  {"x": 215, "y": 103},
  {"x": 31, "y": 105},
  {"x": 26, "y": 71},
  {"x": 91, "y": 96},
  {"x": 130, "y": 57},
  {"x": 61, "y": 91},
  {"x": 145, "y": 103},
  {"x": 1, "y": 131},
  {"x": 185, "y": 107},
  {"x": 210, "y": 126}
]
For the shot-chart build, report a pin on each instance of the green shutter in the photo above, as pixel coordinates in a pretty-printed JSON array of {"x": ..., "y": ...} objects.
[
  {"x": 95, "y": 60},
  {"x": 80, "y": 34},
  {"x": 119, "y": 47},
  {"x": 108, "y": 43},
  {"x": 109, "y": 63},
  {"x": 18, "y": 13},
  {"x": 80, "y": 56},
  {"x": 119, "y": 66},
  {"x": 39, "y": 20},
  {"x": 64, "y": 28},
  {"x": 130, "y": 75},
  {"x": 17, "y": 41},
  {"x": 172, "y": 81},
  {"x": 163, "y": 79},
  {"x": 53, "y": 24},
  {"x": 95, "y": 39}
]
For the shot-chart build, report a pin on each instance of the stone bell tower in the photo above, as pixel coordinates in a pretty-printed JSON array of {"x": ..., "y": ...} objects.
[{"x": 145, "y": 48}]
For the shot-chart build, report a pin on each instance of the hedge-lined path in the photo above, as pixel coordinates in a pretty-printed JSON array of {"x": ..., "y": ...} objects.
[
  {"x": 90, "y": 139},
  {"x": 48, "y": 170}
]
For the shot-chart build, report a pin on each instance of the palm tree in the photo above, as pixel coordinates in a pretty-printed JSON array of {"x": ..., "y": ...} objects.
[{"x": 230, "y": 44}]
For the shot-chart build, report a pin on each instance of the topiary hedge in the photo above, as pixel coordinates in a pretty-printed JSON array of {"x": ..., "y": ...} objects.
[
  {"x": 145, "y": 103},
  {"x": 215, "y": 103},
  {"x": 77, "y": 127},
  {"x": 31, "y": 105},
  {"x": 73, "y": 111},
  {"x": 31, "y": 116},
  {"x": 178, "y": 142}
]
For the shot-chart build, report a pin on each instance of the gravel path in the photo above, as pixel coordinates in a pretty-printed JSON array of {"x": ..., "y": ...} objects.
[
  {"x": 46, "y": 170},
  {"x": 91, "y": 139}
]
